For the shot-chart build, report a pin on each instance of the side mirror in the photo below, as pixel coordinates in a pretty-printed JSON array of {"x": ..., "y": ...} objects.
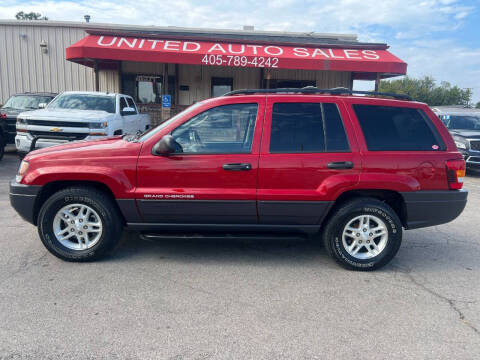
[
  {"x": 128, "y": 111},
  {"x": 42, "y": 105},
  {"x": 167, "y": 145}
]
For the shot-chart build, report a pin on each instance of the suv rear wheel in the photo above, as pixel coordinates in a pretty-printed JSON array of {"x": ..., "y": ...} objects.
[
  {"x": 79, "y": 224},
  {"x": 363, "y": 234}
]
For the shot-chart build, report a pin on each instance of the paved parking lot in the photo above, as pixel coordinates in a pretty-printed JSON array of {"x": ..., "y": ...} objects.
[{"x": 240, "y": 299}]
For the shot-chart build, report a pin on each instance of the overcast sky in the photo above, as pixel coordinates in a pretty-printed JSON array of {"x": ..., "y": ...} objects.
[{"x": 440, "y": 38}]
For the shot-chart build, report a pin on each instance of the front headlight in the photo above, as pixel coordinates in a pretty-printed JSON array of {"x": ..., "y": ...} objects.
[
  {"x": 22, "y": 170},
  {"x": 98, "y": 125},
  {"x": 461, "y": 145},
  {"x": 21, "y": 121}
]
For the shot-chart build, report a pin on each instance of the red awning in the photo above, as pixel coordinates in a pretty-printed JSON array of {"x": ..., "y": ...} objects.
[{"x": 357, "y": 60}]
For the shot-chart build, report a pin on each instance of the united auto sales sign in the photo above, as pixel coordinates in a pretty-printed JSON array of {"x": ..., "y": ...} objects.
[{"x": 233, "y": 54}]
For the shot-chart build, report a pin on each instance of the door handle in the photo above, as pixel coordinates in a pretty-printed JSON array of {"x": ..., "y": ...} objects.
[
  {"x": 237, "y": 167},
  {"x": 340, "y": 165}
]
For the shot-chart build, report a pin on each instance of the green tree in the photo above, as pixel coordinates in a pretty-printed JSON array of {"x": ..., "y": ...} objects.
[
  {"x": 478, "y": 105},
  {"x": 426, "y": 90},
  {"x": 29, "y": 16}
]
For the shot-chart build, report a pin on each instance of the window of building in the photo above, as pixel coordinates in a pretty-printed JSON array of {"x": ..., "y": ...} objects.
[
  {"x": 307, "y": 127},
  {"x": 221, "y": 86},
  {"x": 224, "y": 129},
  {"x": 147, "y": 89},
  {"x": 389, "y": 128}
]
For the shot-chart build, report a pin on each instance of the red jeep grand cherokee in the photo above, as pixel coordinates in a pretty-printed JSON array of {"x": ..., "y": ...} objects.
[{"x": 355, "y": 169}]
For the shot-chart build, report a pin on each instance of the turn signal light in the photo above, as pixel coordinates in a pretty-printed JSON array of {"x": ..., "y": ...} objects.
[
  {"x": 22, "y": 170},
  {"x": 455, "y": 173}
]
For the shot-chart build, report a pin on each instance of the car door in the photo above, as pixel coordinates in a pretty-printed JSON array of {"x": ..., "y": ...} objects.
[
  {"x": 212, "y": 180},
  {"x": 308, "y": 156},
  {"x": 135, "y": 118},
  {"x": 128, "y": 118}
]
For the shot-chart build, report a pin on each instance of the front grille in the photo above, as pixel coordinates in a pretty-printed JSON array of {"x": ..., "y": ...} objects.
[
  {"x": 58, "y": 123},
  {"x": 75, "y": 136},
  {"x": 11, "y": 124},
  {"x": 475, "y": 145},
  {"x": 474, "y": 159}
]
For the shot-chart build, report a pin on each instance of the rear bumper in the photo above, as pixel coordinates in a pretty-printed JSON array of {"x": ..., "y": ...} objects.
[
  {"x": 429, "y": 208},
  {"x": 22, "y": 199}
]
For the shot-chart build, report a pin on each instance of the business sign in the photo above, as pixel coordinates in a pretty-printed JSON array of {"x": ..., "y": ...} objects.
[
  {"x": 166, "y": 101},
  {"x": 235, "y": 54}
]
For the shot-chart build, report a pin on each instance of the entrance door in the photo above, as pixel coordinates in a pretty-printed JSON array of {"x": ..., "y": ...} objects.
[
  {"x": 212, "y": 179},
  {"x": 305, "y": 158}
]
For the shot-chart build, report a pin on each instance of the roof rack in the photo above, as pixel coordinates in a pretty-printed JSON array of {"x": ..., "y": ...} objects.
[{"x": 315, "y": 90}]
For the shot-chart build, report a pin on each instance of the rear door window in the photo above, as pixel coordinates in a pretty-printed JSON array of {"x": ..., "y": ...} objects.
[
  {"x": 307, "y": 127},
  {"x": 390, "y": 128}
]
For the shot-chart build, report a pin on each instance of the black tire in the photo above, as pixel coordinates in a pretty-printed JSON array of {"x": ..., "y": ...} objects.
[
  {"x": 2, "y": 145},
  {"x": 332, "y": 233},
  {"x": 98, "y": 201}
]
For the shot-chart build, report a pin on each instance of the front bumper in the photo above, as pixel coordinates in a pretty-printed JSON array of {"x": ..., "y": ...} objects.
[
  {"x": 429, "y": 208},
  {"x": 471, "y": 157},
  {"x": 23, "y": 142},
  {"x": 23, "y": 198}
]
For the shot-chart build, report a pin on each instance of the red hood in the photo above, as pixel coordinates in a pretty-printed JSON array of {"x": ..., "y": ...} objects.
[{"x": 111, "y": 146}]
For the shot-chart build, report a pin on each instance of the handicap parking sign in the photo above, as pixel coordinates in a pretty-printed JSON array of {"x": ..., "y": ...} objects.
[{"x": 166, "y": 101}]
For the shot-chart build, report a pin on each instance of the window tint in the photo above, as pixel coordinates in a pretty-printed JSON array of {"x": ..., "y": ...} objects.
[
  {"x": 26, "y": 102},
  {"x": 334, "y": 130},
  {"x": 300, "y": 127},
  {"x": 131, "y": 104},
  {"x": 463, "y": 122},
  {"x": 123, "y": 103},
  {"x": 397, "y": 129},
  {"x": 224, "y": 129},
  {"x": 84, "y": 102}
]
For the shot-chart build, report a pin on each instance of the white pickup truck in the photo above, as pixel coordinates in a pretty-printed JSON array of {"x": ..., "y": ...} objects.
[{"x": 76, "y": 115}]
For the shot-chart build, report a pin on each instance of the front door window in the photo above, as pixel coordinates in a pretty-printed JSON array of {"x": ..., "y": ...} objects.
[{"x": 224, "y": 129}]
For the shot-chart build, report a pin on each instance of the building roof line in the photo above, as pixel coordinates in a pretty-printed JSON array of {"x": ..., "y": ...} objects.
[{"x": 243, "y": 38}]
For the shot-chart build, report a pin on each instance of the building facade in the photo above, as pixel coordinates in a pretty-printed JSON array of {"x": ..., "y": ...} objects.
[{"x": 188, "y": 64}]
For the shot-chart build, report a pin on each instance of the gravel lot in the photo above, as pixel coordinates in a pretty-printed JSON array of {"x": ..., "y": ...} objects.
[{"x": 240, "y": 299}]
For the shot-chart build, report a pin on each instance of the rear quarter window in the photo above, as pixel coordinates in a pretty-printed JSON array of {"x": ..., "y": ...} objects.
[{"x": 391, "y": 128}]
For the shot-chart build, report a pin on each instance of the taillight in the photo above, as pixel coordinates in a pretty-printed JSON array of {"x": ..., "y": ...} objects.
[
  {"x": 3, "y": 116},
  {"x": 455, "y": 173}
]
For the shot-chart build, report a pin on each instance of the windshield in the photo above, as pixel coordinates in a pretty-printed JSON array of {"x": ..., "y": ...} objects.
[
  {"x": 84, "y": 102},
  {"x": 147, "y": 135},
  {"x": 26, "y": 102},
  {"x": 461, "y": 122}
]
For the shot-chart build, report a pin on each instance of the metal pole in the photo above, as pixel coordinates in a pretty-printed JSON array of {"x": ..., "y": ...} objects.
[
  {"x": 377, "y": 82},
  {"x": 97, "y": 79}
]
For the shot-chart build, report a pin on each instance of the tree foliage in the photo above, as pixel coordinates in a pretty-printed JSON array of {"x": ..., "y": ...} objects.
[
  {"x": 426, "y": 90},
  {"x": 478, "y": 105},
  {"x": 29, "y": 16}
]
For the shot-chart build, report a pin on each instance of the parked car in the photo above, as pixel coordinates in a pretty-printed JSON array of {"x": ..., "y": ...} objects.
[
  {"x": 76, "y": 115},
  {"x": 355, "y": 169},
  {"x": 464, "y": 125},
  {"x": 15, "y": 105}
]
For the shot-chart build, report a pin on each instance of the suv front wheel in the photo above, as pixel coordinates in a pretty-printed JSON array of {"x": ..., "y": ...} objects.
[
  {"x": 363, "y": 234},
  {"x": 79, "y": 224}
]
